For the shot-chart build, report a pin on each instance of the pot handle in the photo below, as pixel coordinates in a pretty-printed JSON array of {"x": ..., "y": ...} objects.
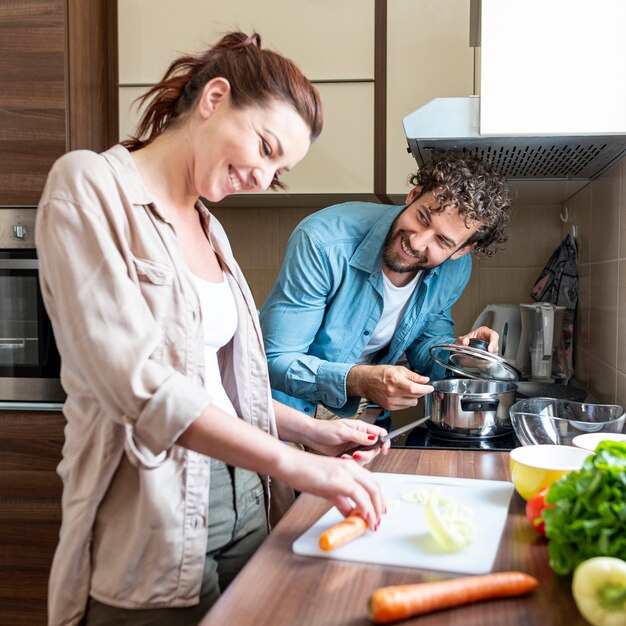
[{"x": 472, "y": 404}]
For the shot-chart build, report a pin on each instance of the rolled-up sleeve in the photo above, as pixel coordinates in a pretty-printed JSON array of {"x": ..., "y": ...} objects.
[{"x": 106, "y": 332}]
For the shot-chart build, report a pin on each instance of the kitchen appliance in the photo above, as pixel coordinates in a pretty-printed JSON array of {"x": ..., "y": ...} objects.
[
  {"x": 535, "y": 127},
  {"x": 29, "y": 360},
  {"x": 506, "y": 320},
  {"x": 471, "y": 408},
  {"x": 426, "y": 438},
  {"x": 403, "y": 538},
  {"x": 476, "y": 405},
  {"x": 540, "y": 339}
]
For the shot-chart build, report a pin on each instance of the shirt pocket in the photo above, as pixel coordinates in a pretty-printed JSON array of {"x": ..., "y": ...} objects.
[
  {"x": 153, "y": 272},
  {"x": 157, "y": 284}
]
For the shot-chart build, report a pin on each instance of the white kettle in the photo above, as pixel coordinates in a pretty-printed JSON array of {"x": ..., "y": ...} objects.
[{"x": 506, "y": 320}]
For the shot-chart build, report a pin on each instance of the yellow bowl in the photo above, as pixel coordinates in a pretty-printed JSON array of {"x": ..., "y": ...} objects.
[{"x": 535, "y": 467}]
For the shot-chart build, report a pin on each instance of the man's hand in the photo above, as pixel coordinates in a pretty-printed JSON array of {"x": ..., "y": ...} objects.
[
  {"x": 484, "y": 333},
  {"x": 393, "y": 387}
]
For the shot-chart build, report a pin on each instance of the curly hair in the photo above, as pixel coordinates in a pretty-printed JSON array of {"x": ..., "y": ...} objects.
[{"x": 464, "y": 182}]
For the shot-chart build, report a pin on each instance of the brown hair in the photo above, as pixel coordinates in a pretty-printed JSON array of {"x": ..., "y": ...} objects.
[
  {"x": 463, "y": 181},
  {"x": 256, "y": 76}
]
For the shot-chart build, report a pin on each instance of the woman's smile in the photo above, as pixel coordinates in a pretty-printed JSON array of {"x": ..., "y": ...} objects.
[{"x": 234, "y": 180}]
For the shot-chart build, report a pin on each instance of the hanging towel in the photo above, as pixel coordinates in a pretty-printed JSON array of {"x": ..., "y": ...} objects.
[
  {"x": 558, "y": 281},
  {"x": 558, "y": 284}
]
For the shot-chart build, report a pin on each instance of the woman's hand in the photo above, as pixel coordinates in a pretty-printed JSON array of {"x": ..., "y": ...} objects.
[
  {"x": 341, "y": 481},
  {"x": 337, "y": 437}
]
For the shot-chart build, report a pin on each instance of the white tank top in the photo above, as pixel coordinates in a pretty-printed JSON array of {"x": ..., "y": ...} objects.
[
  {"x": 219, "y": 322},
  {"x": 395, "y": 300}
]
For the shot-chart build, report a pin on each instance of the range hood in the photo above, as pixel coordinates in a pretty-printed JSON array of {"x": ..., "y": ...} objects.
[
  {"x": 538, "y": 168},
  {"x": 551, "y": 115}
]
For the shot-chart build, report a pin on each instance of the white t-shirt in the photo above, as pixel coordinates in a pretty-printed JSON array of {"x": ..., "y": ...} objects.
[
  {"x": 219, "y": 322},
  {"x": 395, "y": 300}
]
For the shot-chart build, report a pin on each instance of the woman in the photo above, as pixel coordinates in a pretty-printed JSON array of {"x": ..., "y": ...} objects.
[{"x": 169, "y": 413}]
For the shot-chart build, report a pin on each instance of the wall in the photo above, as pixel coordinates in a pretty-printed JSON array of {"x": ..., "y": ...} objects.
[
  {"x": 258, "y": 237},
  {"x": 599, "y": 213}
]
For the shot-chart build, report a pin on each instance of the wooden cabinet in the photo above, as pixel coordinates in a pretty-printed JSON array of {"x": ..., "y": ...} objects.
[
  {"x": 32, "y": 98},
  {"x": 333, "y": 43},
  {"x": 428, "y": 56},
  {"x": 30, "y": 512},
  {"x": 57, "y": 71},
  {"x": 339, "y": 46}
]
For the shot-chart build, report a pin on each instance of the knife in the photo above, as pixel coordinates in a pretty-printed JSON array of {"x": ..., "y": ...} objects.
[{"x": 391, "y": 435}]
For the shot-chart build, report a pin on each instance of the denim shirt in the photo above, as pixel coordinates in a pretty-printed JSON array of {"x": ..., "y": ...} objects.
[{"x": 328, "y": 299}]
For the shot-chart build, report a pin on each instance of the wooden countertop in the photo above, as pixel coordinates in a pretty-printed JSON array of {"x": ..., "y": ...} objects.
[{"x": 279, "y": 588}]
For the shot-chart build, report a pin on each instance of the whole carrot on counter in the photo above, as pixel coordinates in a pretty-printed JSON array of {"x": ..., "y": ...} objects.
[
  {"x": 348, "y": 529},
  {"x": 391, "y": 604}
]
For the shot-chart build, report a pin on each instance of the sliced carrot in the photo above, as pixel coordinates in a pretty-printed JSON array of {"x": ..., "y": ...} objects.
[
  {"x": 391, "y": 604},
  {"x": 346, "y": 530}
]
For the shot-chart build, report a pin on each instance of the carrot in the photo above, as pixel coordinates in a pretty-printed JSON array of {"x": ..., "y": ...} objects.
[
  {"x": 346, "y": 530},
  {"x": 391, "y": 604}
]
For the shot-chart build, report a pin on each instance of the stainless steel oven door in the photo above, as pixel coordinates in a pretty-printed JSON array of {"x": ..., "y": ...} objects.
[{"x": 29, "y": 359}]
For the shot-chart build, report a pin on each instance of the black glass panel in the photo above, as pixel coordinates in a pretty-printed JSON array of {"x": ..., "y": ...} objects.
[
  {"x": 27, "y": 347},
  {"x": 423, "y": 437}
]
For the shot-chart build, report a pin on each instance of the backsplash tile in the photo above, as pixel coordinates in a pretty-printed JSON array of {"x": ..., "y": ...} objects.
[
  {"x": 599, "y": 213},
  {"x": 602, "y": 380},
  {"x": 622, "y": 211},
  {"x": 620, "y": 396},
  {"x": 253, "y": 235},
  {"x": 603, "y": 312},
  {"x": 581, "y": 338},
  {"x": 621, "y": 319},
  {"x": 529, "y": 246},
  {"x": 579, "y": 213},
  {"x": 605, "y": 218}
]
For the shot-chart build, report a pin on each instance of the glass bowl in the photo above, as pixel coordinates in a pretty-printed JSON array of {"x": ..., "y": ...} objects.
[{"x": 544, "y": 421}]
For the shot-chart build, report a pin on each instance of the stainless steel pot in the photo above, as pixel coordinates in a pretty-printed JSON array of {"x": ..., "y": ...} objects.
[{"x": 464, "y": 407}]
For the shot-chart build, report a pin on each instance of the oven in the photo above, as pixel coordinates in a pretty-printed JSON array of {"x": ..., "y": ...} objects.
[{"x": 29, "y": 360}]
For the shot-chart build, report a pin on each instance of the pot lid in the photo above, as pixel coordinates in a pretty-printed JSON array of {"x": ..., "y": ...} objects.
[{"x": 473, "y": 361}]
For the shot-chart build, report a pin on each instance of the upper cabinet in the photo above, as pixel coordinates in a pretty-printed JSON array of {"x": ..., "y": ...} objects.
[
  {"x": 428, "y": 56},
  {"x": 332, "y": 42},
  {"x": 559, "y": 70},
  {"x": 58, "y": 67},
  {"x": 32, "y": 97}
]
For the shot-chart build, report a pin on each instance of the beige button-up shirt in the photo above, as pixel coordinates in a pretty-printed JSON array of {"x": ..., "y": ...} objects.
[{"x": 127, "y": 321}]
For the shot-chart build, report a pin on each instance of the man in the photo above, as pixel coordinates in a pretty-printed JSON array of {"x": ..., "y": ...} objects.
[{"x": 363, "y": 284}]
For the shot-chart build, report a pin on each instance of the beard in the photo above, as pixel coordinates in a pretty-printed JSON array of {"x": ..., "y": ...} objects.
[{"x": 397, "y": 262}]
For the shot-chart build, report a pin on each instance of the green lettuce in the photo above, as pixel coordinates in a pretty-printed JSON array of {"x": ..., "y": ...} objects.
[{"x": 589, "y": 514}]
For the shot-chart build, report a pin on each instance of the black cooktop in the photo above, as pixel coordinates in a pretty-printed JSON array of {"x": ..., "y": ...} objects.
[{"x": 423, "y": 437}]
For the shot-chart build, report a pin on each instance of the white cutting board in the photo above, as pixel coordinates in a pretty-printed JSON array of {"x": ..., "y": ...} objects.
[{"x": 403, "y": 538}]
